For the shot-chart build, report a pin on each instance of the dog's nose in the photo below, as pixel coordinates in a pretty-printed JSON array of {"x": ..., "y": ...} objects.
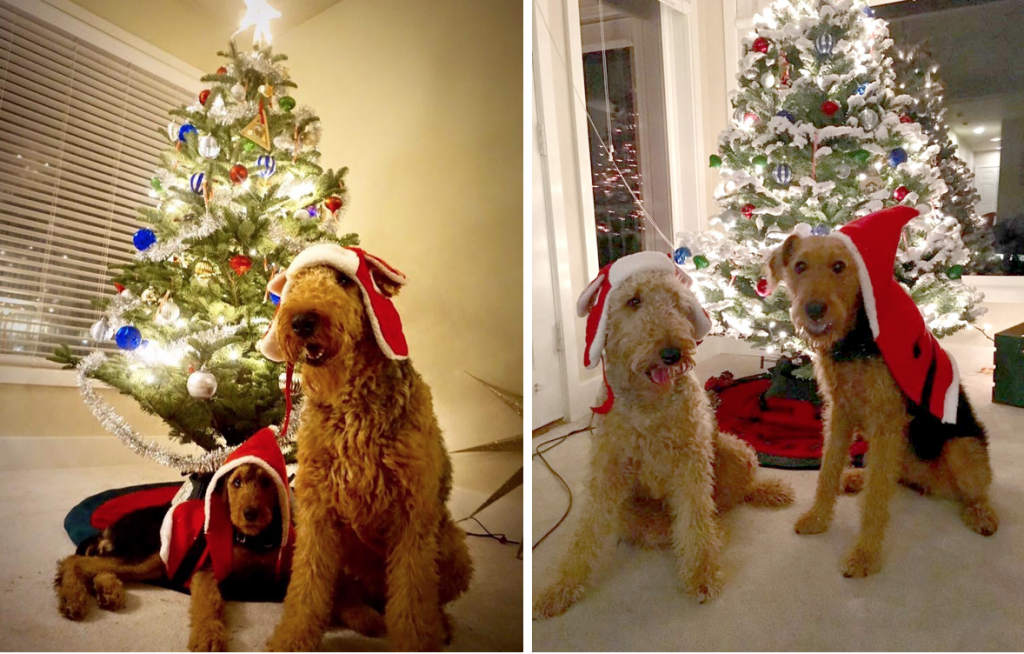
[
  {"x": 251, "y": 514},
  {"x": 671, "y": 355},
  {"x": 304, "y": 324},
  {"x": 816, "y": 309}
]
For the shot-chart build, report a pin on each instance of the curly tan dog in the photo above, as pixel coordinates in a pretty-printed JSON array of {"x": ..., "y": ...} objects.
[
  {"x": 862, "y": 396},
  {"x": 374, "y": 476},
  {"x": 660, "y": 472}
]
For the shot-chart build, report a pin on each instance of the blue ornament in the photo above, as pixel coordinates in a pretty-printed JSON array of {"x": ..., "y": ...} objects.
[
  {"x": 128, "y": 338},
  {"x": 897, "y": 156},
  {"x": 783, "y": 174},
  {"x": 184, "y": 130},
  {"x": 862, "y": 88},
  {"x": 312, "y": 211},
  {"x": 788, "y": 116},
  {"x": 821, "y": 230},
  {"x": 267, "y": 164},
  {"x": 869, "y": 12},
  {"x": 196, "y": 182},
  {"x": 680, "y": 255},
  {"x": 824, "y": 44},
  {"x": 143, "y": 239},
  {"x": 275, "y": 299}
]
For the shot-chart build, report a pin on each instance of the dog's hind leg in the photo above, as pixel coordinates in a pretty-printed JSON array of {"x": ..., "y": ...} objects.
[
  {"x": 607, "y": 490},
  {"x": 456, "y": 566},
  {"x": 353, "y": 612},
  {"x": 839, "y": 435},
  {"x": 967, "y": 460},
  {"x": 77, "y": 576},
  {"x": 770, "y": 492},
  {"x": 207, "y": 631},
  {"x": 736, "y": 478}
]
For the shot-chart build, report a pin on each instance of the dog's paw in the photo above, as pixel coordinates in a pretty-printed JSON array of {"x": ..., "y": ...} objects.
[
  {"x": 852, "y": 481},
  {"x": 109, "y": 591},
  {"x": 556, "y": 600},
  {"x": 284, "y": 640},
  {"x": 811, "y": 523},
  {"x": 706, "y": 586},
  {"x": 72, "y": 605},
  {"x": 208, "y": 638},
  {"x": 364, "y": 620},
  {"x": 861, "y": 562},
  {"x": 980, "y": 518}
]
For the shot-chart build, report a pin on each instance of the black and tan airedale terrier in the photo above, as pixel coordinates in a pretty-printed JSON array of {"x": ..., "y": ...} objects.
[
  {"x": 374, "y": 475},
  {"x": 883, "y": 376}
]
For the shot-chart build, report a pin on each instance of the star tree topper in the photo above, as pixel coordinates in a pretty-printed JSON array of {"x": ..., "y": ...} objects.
[{"x": 258, "y": 13}]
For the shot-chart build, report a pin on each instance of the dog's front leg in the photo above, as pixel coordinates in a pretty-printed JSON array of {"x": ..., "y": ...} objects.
[
  {"x": 607, "y": 490},
  {"x": 695, "y": 530},
  {"x": 207, "y": 632},
  {"x": 413, "y": 612},
  {"x": 838, "y": 436},
  {"x": 315, "y": 568}
]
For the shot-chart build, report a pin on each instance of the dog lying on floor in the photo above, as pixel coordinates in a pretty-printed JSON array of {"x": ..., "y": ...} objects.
[
  {"x": 884, "y": 376},
  {"x": 234, "y": 542},
  {"x": 660, "y": 471},
  {"x": 374, "y": 476}
]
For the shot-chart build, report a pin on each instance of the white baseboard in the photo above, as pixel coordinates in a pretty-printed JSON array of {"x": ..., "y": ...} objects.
[{"x": 50, "y": 452}]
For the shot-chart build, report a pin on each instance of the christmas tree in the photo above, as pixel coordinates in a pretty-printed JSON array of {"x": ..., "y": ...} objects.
[
  {"x": 239, "y": 193},
  {"x": 821, "y": 135},
  {"x": 917, "y": 75}
]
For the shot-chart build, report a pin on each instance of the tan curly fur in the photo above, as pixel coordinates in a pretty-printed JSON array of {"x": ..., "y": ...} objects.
[
  {"x": 861, "y": 397},
  {"x": 374, "y": 478},
  {"x": 660, "y": 472}
]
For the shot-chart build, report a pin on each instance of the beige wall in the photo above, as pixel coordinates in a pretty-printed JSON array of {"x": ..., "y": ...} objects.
[
  {"x": 423, "y": 101},
  {"x": 713, "y": 87}
]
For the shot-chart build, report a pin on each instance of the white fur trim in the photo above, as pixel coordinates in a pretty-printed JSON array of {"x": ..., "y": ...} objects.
[
  {"x": 951, "y": 402},
  {"x": 282, "y": 491},
  {"x": 866, "y": 290},
  {"x": 165, "y": 534}
]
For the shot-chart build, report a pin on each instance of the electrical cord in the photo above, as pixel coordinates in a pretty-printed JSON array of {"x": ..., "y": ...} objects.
[
  {"x": 540, "y": 452},
  {"x": 501, "y": 538}
]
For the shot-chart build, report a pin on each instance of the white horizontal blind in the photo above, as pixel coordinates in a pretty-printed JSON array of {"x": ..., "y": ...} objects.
[{"x": 81, "y": 132}]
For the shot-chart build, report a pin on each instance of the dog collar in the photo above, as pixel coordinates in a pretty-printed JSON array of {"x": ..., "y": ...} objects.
[{"x": 268, "y": 539}]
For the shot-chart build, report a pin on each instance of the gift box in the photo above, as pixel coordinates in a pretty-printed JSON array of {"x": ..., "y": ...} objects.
[{"x": 1009, "y": 360}]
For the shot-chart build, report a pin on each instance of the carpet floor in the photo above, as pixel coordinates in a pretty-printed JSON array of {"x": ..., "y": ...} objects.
[
  {"x": 33, "y": 504},
  {"x": 942, "y": 587}
]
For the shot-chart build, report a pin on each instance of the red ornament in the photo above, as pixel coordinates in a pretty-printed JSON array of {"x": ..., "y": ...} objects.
[
  {"x": 119, "y": 287},
  {"x": 906, "y": 119},
  {"x": 238, "y": 173},
  {"x": 747, "y": 210},
  {"x": 222, "y": 71},
  {"x": 762, "y": 287},
  {"x": 900, "y": 193},
  {"x": 829, "y": 107},
  {"x": 203, "y": 95},
  {"x": 750, "y": 117},
  {"x": 241, "y": 264},
  {"x": 760, "y": 45},
  {"x": 333, "y": 203}
]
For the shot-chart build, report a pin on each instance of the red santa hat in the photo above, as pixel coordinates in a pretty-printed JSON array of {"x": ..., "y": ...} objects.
[
  {"x": 182, "y": 550},
  {"x": 923, "y": 370},
  {"x": 357, "y": 264},
  {"x": 593, "y": 303}
]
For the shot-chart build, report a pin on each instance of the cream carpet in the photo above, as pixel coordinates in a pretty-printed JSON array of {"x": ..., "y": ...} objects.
[
  {"x": 942, "y": 587},
  {"x": 33, "y": 504}
]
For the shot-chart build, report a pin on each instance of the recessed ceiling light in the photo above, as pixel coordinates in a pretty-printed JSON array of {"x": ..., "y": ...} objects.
[
  {"x": 979, "y": 130},
  {"x": 998, "y": 138}
]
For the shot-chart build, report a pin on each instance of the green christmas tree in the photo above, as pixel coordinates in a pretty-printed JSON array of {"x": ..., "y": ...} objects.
[
  {"x": 239, "y": 193},
  {"x": 917, "y": 75},
  {"x": 820, "y": 137}
]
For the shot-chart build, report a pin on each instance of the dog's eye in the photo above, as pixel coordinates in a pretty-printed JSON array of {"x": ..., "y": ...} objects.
[
  {"x": 343, "y": 279},
  {"x": 799, "y": 267},
  {"x": 838, "y": 267},
  {"x": 634, "y": 302},
  {"x": 264, "y": 482},
  {"x": 237, "y": 482}
]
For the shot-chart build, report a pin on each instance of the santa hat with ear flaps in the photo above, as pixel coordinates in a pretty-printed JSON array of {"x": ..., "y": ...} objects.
[
  {"x": 200, "y": 529},
  {"x": 923, "y": 370},
  {"x": 354, "y": 262},
  {"x": 594, "y": 300}
]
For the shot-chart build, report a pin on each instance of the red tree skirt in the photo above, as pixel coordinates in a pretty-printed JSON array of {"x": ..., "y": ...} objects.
[{"x": 785, "y": 433}]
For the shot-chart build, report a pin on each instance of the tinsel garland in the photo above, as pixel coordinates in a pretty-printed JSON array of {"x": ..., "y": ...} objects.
[
  {"x": 167, "y": 249},
  {"x": 116, "y": 425}
]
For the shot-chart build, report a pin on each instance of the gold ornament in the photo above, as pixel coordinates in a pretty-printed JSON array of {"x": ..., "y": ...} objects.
[
  {"x": 149, "y": 296},
  {"x": 257, "y": 131},
  {"x": 205, "y": 271},
  {"x": 266, "y": 90}
]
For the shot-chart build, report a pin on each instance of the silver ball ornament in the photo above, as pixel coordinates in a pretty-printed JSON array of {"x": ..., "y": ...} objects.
[
  {"x": 824, "y": 43},
  {"x": 300, "y": 214},
  {"x": 168, "y": 312},
  {"x": 208, "y": 147},
  {"x": 296, "y": 381},
  {"x": 202, "y": 385},
  {"x": 100, "y": 330},
  {"x": 868, "y": 119},
  {"x": 843, "y": 171},
  {"x": 238, "y": 92}
]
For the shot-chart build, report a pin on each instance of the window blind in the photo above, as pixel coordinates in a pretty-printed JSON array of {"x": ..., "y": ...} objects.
[{"x": 81, "y": 132}]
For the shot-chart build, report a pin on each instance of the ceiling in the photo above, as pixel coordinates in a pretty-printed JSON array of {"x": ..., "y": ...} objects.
[
  {"x": 978, "y": 44},
  {"x": 195, "y": 30}
]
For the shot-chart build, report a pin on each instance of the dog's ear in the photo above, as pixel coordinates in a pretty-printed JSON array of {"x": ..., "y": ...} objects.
[
  {"x": 384, "y": 284},
  {"x": 775, "y": 266},
  {"x": 386, "y": 279}
]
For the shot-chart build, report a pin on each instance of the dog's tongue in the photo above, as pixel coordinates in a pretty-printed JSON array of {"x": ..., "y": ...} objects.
[{"x": 661, "y": 376}]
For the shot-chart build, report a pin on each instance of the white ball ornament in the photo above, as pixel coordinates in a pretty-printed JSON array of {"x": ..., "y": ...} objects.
[
  {"x": 868, "y": 119},
  {"x": 843, "y": 171},
  {"x": 208, "y": 147},
  {"x": 168, "y": 312},
  {"x": 238, "y": 92},
  {"x": 768, "y": 80},
  {"x": 202, "y": 385},
  {"x": 100, "y": 330}
]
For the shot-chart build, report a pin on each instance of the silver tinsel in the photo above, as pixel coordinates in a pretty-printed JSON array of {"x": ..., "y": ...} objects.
[
  {"x": 119, "y": 427},
  {"x": 165, "y": 250}
]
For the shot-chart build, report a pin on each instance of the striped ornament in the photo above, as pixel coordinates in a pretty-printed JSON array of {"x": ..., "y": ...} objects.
[
  {"x": 783, "y": 174},
  {"x": 824, "y": 44},
  {"x": 196, "y": 182},
  {"x": 267, "y": 165}
]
